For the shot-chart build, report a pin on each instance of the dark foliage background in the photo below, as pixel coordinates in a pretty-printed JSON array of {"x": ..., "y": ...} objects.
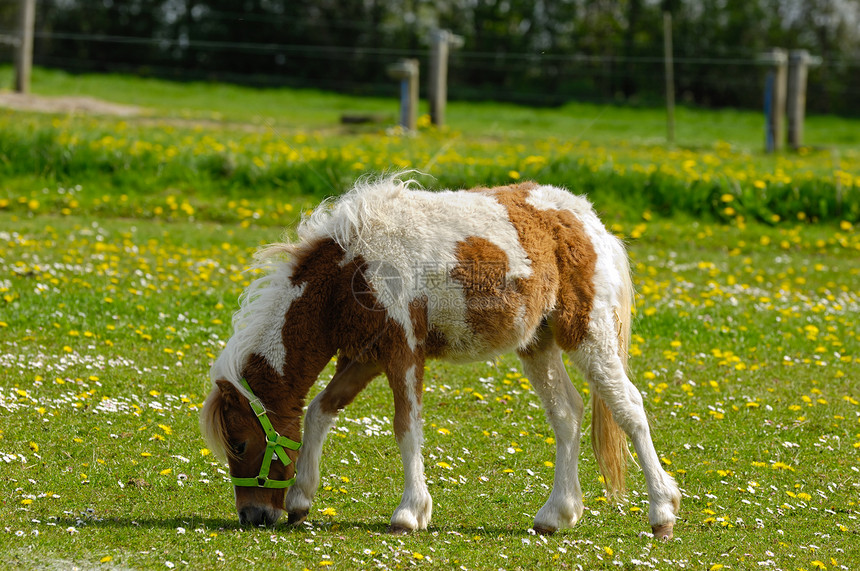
[{"x": 531, "y": 51}]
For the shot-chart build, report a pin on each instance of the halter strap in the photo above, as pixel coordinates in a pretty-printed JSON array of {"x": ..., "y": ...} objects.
[{"x": 275, "y": 446}]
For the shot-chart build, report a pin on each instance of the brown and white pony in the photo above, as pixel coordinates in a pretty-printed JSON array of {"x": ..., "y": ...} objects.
[{"x": 387, "y": 276}]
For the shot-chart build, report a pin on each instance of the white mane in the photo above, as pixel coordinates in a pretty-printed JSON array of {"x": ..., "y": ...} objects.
[{"x": 351, "y": 217}]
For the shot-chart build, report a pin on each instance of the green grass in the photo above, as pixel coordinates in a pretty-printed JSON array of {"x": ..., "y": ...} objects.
[
  {"x": 310, "y": 109},
  {"x": 142, "y": 167},
  {"x": 208, "y": 101},
  {"x": 745, "y": 347},
  {"x": 281, "y": 151},
  {"x": 122, "y": 250}
]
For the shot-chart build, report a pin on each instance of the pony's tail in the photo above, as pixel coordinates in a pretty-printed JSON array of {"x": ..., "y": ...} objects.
[{"x": 607, "y": 438}]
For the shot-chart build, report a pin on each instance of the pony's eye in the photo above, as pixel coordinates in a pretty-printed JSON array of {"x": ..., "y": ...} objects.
[{"x": 239, "y": 449}]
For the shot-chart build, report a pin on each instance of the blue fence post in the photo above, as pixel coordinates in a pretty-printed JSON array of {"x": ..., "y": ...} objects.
[
  {"x": 775, "y": 85},
  {"x": 406, "y": 71}
]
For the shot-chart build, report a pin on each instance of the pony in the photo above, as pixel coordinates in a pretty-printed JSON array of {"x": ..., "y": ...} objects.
[{"x": 389, "y": 275}]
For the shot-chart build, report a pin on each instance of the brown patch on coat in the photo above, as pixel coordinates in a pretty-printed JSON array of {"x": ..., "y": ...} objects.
[
  {"x": 341, "y": 311},
  {"x": 317, "y": 323},
  {"x": 434, "y": 342},
  {"x": 358, "y": 322},
  {"x": 282, "y": 396},
  {"x": 563, "y": 264},
  {"x": 518, "y": 188},
  {"x": 325, "y": 318},
  {"x": 352, "y": 320},
  {"x": 397, "y": 374},
  {"x": 236, "y": 424},
  {"x": 577, "y": 260},
  {"x": 492, "y": 304},
  {"x": 338, "y": 311}
]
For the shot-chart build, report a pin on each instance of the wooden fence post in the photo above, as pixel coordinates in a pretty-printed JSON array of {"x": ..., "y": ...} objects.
[
  {"x": 774, "y": 98},
  {"x": 24, "y": 47},
  {"x": 442, "y": 41},
  {"x": 798, "y": 66},
  {"x": 406, "y": 70}
]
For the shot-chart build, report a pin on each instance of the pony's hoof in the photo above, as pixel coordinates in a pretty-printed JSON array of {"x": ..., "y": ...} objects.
[
  {"x": 541, "y": 530},
  {"x": 395, "y": 529},
  {"x": 662, "y": 532},
  {"x": 296, "y": 518}
]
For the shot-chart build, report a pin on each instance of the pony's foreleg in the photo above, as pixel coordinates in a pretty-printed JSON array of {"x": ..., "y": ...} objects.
[
  {"x": 543, "y": 366},
  {"x": 349, "y": 379},
  {"x": 416, "y": 505}
]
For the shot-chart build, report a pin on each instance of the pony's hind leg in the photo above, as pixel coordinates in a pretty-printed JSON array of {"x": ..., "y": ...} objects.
[
  {"x": 416, "y": 505},
  {"x": 350, "y": 378},
  {"x": 597, "y": 357},
  {"x": 543, "y": 365}
]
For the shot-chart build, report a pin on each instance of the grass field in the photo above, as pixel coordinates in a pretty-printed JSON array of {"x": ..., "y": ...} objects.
[
  {"x": 745, "y": 348},
  {"x": 288, "y": 109},
  {"x": 280, "y": 150}
]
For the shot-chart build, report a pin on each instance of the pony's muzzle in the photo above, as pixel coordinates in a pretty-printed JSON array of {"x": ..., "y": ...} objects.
[{"x": 259, "y": 515}]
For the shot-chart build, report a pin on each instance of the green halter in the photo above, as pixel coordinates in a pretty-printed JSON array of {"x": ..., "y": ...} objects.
[{"x": 275, "y": 445}]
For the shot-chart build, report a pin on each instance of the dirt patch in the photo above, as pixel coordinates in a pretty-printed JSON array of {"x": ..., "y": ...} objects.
[{"x": 66, "y": 104}]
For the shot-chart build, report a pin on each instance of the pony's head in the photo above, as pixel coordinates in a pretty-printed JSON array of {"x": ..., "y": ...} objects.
[{"x": 236, "y": 430}]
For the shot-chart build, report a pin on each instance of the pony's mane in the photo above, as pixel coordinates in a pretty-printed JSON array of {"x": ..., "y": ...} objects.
[
  {"x": 212, "y": 424},
  {"x": 346, "y": 220},
  {"x": 253, "y": 320}
]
